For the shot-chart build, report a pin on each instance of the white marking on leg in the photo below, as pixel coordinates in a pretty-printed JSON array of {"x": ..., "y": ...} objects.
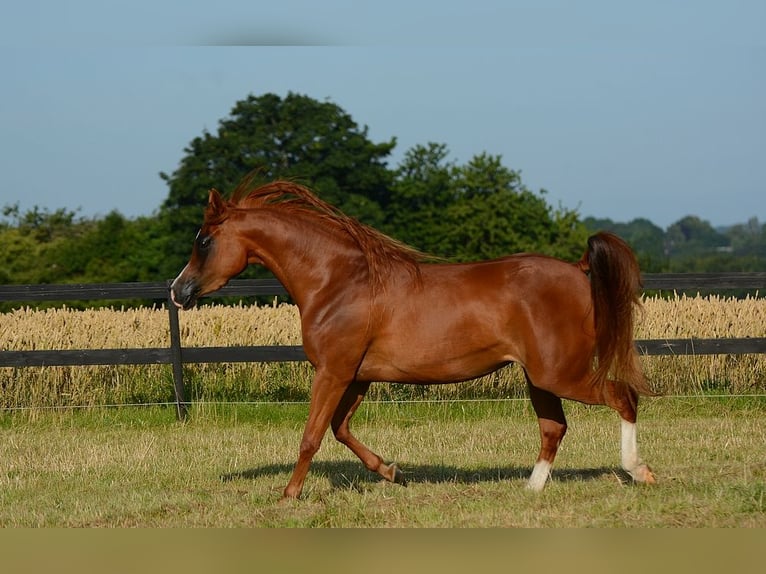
[
  {"x": 628, "y": 445},
  {"x": 539, "y": 476},
  {"x": 631, "y": 462}
]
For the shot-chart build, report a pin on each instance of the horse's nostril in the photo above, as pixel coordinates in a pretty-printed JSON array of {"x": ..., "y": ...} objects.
[
  {"x": 184, "y": 294},
  {"x": 173, "y": 298}
]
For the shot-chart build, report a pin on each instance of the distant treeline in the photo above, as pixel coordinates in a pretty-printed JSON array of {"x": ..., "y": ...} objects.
[
  {"x": 462, "y": 212},
  {"x": 692, "y": 245}
]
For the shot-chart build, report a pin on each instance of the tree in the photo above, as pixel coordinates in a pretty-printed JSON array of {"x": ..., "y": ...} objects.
[
  {"x": 646, "y": 239},
  {"x": 476, "y": 211},
  {"x": 296, "y": 137},
  {"x": 748, "y": 238},
  {"x": 496, "y": 214},
  {"x": 112, "y": 249},
  {"x": 421, "y": 191},
  {"x": 28, "y": 241},
  {"x": 693, "y": 237}
]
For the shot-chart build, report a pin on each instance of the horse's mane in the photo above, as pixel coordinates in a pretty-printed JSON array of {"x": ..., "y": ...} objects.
[{"x": 382, "y": 252}]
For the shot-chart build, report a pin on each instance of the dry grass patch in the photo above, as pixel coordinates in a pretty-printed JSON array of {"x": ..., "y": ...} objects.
[{"x": 683, "y": 316}]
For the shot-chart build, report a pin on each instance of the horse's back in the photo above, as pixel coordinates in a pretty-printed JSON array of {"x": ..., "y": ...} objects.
[{"x": 512, "y": 283}]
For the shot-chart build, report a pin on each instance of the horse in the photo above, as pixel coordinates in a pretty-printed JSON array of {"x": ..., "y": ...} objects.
[{"x": 374, "y": 309}]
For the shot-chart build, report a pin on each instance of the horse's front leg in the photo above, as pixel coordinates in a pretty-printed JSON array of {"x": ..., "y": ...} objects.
[{"x": 326, "y": 393}]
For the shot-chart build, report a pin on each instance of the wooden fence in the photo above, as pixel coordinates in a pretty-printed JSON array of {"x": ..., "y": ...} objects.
[{"x": 176, "y": 355}]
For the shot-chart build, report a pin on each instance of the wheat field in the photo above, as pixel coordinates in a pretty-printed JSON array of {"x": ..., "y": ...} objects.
[{"x": 218, "y": 325}]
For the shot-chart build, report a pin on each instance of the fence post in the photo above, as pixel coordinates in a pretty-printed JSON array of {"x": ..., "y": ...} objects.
[{"x": 182, "y": 410}]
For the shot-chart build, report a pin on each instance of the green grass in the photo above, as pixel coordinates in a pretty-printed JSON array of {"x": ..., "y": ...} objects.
[{"x": 466, "y": 463}]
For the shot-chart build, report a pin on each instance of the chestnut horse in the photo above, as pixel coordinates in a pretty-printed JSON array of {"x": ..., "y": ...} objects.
[{"x": 373, "y": 309}]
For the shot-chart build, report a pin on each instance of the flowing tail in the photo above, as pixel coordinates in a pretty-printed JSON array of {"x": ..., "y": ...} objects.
[{"x": 615, "y": 281}]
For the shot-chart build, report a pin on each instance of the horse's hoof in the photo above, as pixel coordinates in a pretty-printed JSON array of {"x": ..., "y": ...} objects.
[
  {"x": 642, "y": 473},
  {"x": 397, "y": 476},
  {"x": 289, "y": 495}
]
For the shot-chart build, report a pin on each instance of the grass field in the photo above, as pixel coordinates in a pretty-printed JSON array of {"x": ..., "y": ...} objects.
[{"x": 466, "y": 463}]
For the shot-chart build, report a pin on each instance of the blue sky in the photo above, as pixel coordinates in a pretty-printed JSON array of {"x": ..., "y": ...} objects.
[{"x": 654, "y": 109}]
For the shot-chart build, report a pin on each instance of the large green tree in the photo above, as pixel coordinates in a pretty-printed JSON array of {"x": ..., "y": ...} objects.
[
  {"x": 479, "y": 210},
  {"x": 316, "y": 143},
  {"x": 420, "y": 193}
]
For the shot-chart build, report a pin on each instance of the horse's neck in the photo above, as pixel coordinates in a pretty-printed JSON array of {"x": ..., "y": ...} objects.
[{"x": 304, "y": 253}]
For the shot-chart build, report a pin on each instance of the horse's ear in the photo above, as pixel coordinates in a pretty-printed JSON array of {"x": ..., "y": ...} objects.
[{"x": 216, "y": 206}]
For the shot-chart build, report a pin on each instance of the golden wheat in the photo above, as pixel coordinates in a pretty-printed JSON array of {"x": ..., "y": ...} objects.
[
  {"x": 215, "y": 325},
  {"x": 704, "y": 317}
]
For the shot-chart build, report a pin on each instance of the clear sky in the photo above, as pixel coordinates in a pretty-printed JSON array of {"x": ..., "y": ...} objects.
[{"x": 652, "y": 109}]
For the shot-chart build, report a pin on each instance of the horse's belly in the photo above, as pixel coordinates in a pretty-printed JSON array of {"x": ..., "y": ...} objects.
[{"x": 429, "y": 360}]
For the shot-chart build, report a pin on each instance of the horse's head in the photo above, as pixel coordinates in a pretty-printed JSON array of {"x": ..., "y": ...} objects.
[{"x": 218, "y": 255}]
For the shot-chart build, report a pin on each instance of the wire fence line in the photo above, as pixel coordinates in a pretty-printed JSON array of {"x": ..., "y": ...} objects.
[
  {"x": 176, "y": 355},
  {"x": 392, "y": 402}
]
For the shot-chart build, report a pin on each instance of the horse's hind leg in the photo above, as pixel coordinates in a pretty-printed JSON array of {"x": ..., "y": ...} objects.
[
  {"x": 340, "y": 426},
  {"x": 626, "y": 405},
  {"x": 553, "y": 426}
]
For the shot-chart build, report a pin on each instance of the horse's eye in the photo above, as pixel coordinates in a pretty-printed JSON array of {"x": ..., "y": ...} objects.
[{"x": 205, "y": 242}]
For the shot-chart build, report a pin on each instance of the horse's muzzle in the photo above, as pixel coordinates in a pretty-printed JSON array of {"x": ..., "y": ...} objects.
[{"x": 184, "y": 294}]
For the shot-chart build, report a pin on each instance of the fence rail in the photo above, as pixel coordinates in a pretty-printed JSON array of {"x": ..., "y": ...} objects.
[{"x": 176, "y": 355}]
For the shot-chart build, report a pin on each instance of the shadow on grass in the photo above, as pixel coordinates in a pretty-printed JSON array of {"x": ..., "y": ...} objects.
[{"x": 343, "y": 474}]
